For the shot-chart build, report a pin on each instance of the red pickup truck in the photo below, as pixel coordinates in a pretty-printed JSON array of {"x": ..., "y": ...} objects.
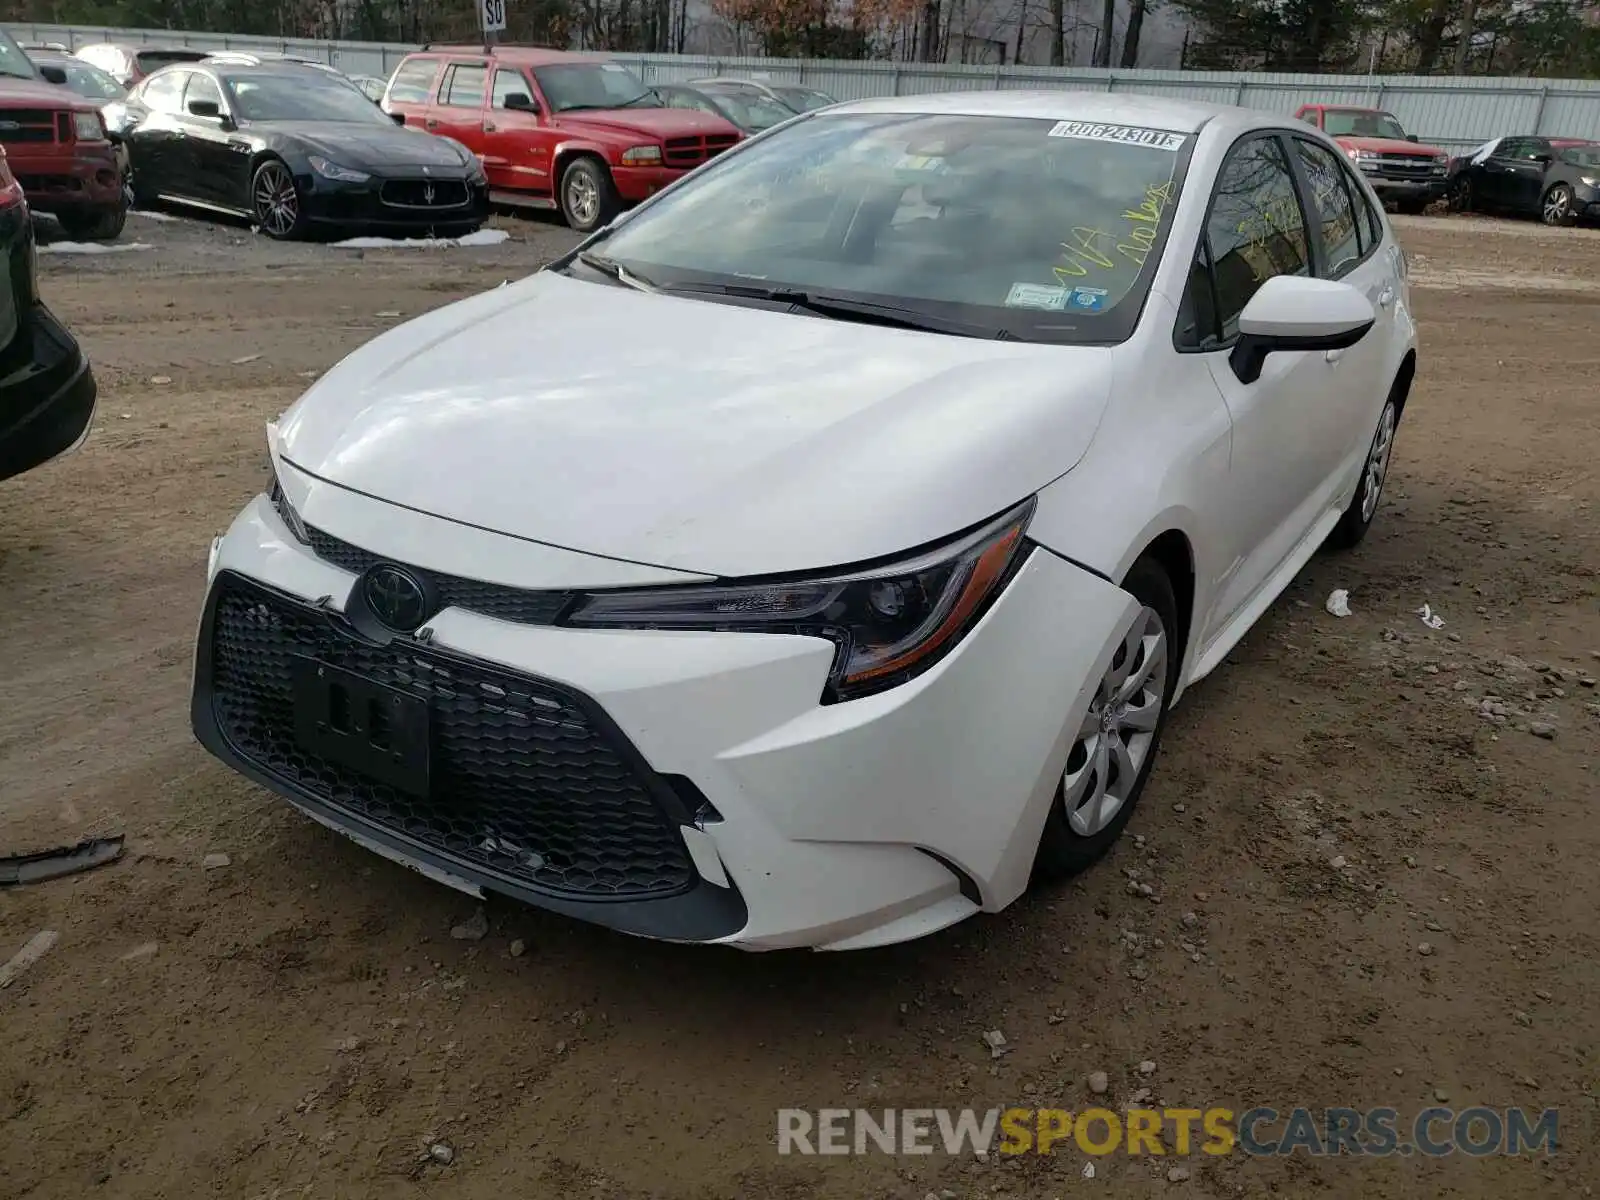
[
  {"x": 1398, "y": 167},
  {"x": 555, "y": 130},
  {"x": 55, "y": 141}
]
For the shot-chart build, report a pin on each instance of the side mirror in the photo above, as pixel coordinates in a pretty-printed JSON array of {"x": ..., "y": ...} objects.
[
  {"x": 1411, "y": 137},
  {"x": 521, "y": 102},
  {"x": 53, "y": 74},
  {"x": 1291, "y": 312},
  {"x": 398, "y": 118},
  {"x": 205, "y": 108}
]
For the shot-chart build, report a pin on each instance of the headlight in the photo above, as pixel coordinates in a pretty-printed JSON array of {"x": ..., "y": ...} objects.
[
  {"x": 889, "y": 623},
  {"x": 641, "y": 156},
  {"x": 285, "y": 509},
  {"x": 1441, "y": 159},
  {"x": 87, "y": 127},
  {"x": 1591, "y": 181},
  {"x": 330, "y": 170}
]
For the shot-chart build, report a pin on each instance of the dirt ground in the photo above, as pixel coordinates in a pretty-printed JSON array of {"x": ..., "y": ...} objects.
[{"x": 1384, "y": 833}]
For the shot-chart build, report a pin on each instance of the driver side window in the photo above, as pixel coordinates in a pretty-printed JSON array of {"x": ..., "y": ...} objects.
[
  {"x": 163, "y": 93},
  {"x": 203, "y": 88}
]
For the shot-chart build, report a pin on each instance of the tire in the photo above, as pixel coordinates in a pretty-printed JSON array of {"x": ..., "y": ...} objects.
[
  {"x": 1557, "y": 207},
  {"x": 1077, "y": 832},
  {"x": 275, "y": 201},
  {"x": 1357, "y": 519},
  {"x": 95, "y": 225},
  {"x": 1460, "y": 198},
  {"x": 588, "y": 197}
]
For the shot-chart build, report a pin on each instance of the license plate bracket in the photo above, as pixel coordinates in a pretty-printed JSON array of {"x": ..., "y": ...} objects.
[{"x": 376, "y": 730}]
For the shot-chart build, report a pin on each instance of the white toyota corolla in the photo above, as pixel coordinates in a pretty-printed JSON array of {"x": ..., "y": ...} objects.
[{"x": 812, "y": 557}]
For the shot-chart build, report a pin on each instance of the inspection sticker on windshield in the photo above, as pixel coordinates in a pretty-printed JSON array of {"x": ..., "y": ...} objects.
[
  {"x": 1130, "y": 135},
  {"x": 1087, "y": 299},
  {"x": 1037, "y": 295}
]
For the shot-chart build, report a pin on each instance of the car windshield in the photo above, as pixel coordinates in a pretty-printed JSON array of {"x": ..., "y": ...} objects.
[
  {"x": 571, "y": 86},
  {"x": 803, "y": 99},
  {"x": 1040, "y": 228},
  {"x": 751, "y": 110},
  {"x": 1582, "y": 156},
  {"x": 14, "y": 64},
  {"x": 90, "y": 82},
  {"x": 300, "y": 96},
  {"x": 1361, "y": 122}
]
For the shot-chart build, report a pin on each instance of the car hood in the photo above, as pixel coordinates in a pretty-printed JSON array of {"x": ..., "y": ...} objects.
[
  {"x": 373, "y": 147},
  {"x": 16, "y": 93},
  {"x": 1387, "y": 145},
  {"x": 695, "y": 435},
  {"x": 652, "y": 122}
]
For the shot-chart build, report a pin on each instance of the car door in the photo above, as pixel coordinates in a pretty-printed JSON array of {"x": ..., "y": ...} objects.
[
  {"x": 157, "y": 149},
  {"x": 220, "y": 153},
  {"x": 1288, "y": 431},
  {"x": 1345, "y": 249},
  {"x": 458, "y": 111},
  {"x": 1525, "y": 182},
  {"x": 1506, "y": 171},
  {"x": 516, "y": 157}
]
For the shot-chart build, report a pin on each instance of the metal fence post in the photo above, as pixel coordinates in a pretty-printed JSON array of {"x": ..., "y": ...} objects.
[
  {"x": 1538, "y": 113},
  {"x": 895, "y": 80}
]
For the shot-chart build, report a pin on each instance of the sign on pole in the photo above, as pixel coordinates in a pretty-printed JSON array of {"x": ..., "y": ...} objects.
[{"x": 492, "y": 15}]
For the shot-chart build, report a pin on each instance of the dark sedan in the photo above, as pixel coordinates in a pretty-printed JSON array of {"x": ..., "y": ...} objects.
[
  {"x": 1553, "y": 179},
  {"x": 295, "y": 151},
  {"x": 747, "y": 110},
  {"x": 47, "y": 391}
]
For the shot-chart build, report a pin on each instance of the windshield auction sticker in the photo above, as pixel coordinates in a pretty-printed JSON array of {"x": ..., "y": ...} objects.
[{"x": 1128, "y": 135}]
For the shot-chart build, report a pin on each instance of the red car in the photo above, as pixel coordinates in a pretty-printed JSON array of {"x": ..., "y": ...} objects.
[
  {"x": 1399, "y": 168},
  {"x": 555, "y": 130},
  {"x": 130, "y": 64},
  {"x": 58, "y": 150}
]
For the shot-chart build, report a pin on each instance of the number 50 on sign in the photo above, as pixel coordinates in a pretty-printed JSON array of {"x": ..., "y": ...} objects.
[{"x": 493, "y": 15}]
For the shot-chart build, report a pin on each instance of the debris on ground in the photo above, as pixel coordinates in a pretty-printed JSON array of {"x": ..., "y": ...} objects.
[
  {"x": 36, "y": 948},
  {"x": 474, "y": 929},
  {"x": 1338, "y": 602},
  {"x": 1430, "y": 618},
  {"x": 996, "y": 1041},
  {"x": 442, "y": 1153},
  {"x": 18, "y": 869},
  {"x": 1099, "y": 1082},
  {"x": 215, "y": 862}
]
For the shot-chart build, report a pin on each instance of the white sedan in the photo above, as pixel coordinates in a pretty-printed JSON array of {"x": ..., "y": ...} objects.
[{"x": 811, "y": 558}]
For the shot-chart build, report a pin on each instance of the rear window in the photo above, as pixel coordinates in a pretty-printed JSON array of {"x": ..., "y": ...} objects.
[
  {"x": 150, "y": 60},
  {"x": 1047, "y": 229}
]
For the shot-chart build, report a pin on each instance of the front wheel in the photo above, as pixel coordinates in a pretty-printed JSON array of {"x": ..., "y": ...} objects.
[
  {"x": 1460, "y": 199},
  {"x": 1357, "y": 519},
  {"x": 588, "y": 197},
  {"x": 1115, "y": 746},
  {"x": 275, "y": 201},
  {"x": 1558, "y": 205},
  {"x": 100, "y": 225}
]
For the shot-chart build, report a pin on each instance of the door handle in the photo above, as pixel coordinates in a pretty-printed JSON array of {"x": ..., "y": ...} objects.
[
  {"x": 488, "y": 126},
  {"x": 431, "y": 123},
  {"x": 1332, "y": 357},
  {"x": 1386, "y": 297}
]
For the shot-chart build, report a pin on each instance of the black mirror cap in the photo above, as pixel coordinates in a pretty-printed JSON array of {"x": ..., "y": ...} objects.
[
  {"x": 204, "y": 108},
  {"x": 53, "y": 74},
  {"x": 1411, "y": 137},
  {"x": 398, "y": 118},
  {"x": 520, "y": 102},
  {"x": 1250, "y": 351}
]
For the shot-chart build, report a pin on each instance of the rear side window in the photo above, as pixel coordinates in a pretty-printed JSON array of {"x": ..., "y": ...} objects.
[
  {"x": 163, "y": 93},
  {"x": 463, "y": 87},
  {"x": 413, "y": 82},
  {"x": 1256, "y": 230},
  {"x": 1335, "y": 211}
]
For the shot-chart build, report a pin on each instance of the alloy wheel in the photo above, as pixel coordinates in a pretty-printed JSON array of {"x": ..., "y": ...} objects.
[
  {"x": 1378, "y": 463},
  {"x": 1557, "y": 206},
  {"x": 583, "y": 198},
  {"x": 277, "y": 202},
  {"x": 1118, "y": 731}
]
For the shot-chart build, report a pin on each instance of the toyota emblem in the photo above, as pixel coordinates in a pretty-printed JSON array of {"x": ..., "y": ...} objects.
[{"x": 396, "y": 597}]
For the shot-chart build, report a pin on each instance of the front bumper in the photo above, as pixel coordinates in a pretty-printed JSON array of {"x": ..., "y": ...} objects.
[
  {"x": 47, "y": 402},
  {"x": 634, "y": 184},
  {"x": 84, "y": 177},
  {"x": 364, "y": 207},
  {"x": 1433, "y": 188},
  {"x": 768, "y": 819}
]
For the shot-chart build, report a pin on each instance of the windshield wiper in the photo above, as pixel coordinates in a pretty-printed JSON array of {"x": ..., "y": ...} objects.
[
  {"x": 636, "y": 99},
  {"x": 844, "y": 308},
  {"x": 612, "y": 269}
]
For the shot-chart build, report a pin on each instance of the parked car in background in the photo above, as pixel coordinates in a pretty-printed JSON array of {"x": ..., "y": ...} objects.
[
  {"x": 749, "y": 112},
  {"x": 1399, "y": 168},
  {"x": 773, "y": 580},
  {"x": 792, "y": 96},
  {"x": 47, "y": 390},
  {"x": 59, "y": 149},
  {"x": 128, "y": 64},
  {"x": 88, "y": 80},
  {"x": 1554, "y": 179},
  {"x": 295, "y": 151},
  {"x": 555, "y": 130}
]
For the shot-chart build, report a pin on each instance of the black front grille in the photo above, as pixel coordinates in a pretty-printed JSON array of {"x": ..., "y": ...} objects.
[
  {"x": 424, "y": 193},
  {"x": 28, "y": 125},
  {"x": 487, "y": 599},
  {"x": 528, "y": 782},
  {"x": 1406, "y": 166}
]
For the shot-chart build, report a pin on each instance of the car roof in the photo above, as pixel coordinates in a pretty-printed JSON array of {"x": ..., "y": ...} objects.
[
  {"x": 522, "y": 56},
  {"x": 1115, "y": 108}
]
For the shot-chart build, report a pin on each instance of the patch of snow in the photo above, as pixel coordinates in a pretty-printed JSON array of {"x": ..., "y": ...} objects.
[
  {"x": 91, "y": 247},
  {"x": 151, "y": 216},
  {"x": 484, "y": 237}
]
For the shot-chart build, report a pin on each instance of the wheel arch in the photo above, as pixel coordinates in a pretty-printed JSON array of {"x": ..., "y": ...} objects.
[
  {"x": 564, "y": 156},
  {"x": 1173, "y": 552},
  {"x": 1400, "y": 390}
]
